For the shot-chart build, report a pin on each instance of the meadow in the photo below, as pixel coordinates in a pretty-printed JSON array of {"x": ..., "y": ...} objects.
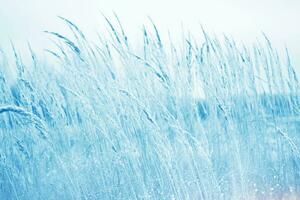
[{"x": 205, "y": 119}]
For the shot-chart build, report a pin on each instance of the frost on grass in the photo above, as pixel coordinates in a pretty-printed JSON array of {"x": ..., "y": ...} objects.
[{"x": 118, "y": 122}]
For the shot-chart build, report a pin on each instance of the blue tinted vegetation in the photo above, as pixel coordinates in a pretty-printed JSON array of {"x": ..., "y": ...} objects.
[{"x": 108, "y": 120}]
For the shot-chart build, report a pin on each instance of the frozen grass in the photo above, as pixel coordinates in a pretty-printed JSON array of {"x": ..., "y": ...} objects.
[{"x": 105, "y": 120}]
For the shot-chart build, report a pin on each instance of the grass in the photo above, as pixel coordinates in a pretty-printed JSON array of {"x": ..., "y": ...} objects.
[{"x": 105, "y": 120}]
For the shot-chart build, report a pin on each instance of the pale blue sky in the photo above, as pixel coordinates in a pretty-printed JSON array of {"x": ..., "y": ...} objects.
[{"x": 25, "y": 20}]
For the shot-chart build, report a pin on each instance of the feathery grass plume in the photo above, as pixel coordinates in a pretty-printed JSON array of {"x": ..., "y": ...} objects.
[
  {"x": 122, "y": 31},
  {"x": 206, "y": 119},
  {"x": 32, "y": 54},
  {"x": 66, "y": 40},
  {"x": 69, "y": 43},
  {"x": 114, "y": 31},
  {"x": 20, "y": 111},
  {"x": 72, "y": 26}
]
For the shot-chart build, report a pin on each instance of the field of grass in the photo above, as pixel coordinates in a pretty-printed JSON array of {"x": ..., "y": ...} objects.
[{"x": 205, "y": 119}]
